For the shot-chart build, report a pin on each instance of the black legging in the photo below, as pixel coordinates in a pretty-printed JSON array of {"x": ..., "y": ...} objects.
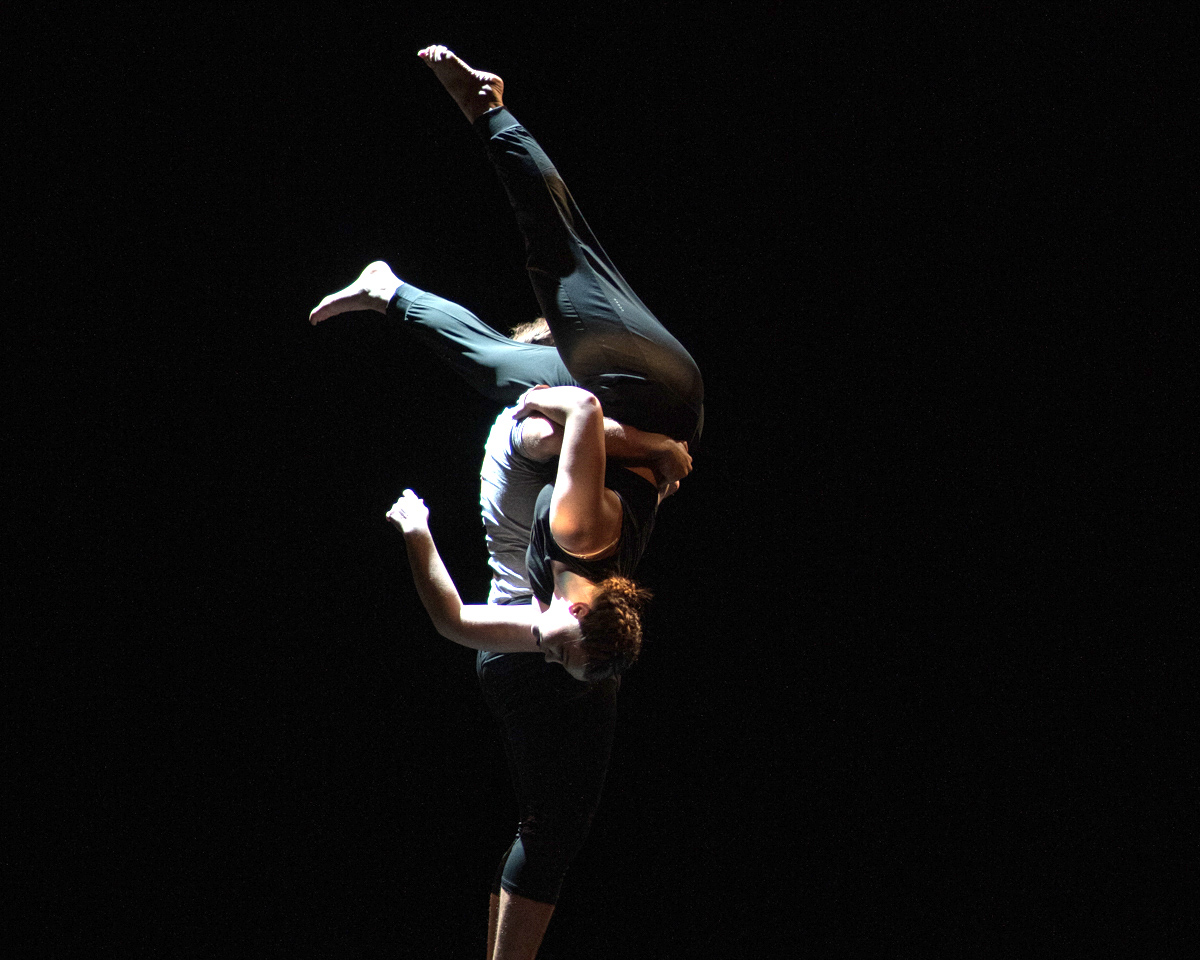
[
  {"x": 558, "y": 736},
  {"x": 497, "y": 367},
  {"x": 609, "y": 340}
]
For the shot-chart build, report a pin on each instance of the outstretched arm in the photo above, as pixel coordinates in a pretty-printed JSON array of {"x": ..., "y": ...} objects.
[{"x": 504, "y": 629}]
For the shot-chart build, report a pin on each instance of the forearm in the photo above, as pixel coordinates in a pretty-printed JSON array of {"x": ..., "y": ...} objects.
[
  {"x": 503, "y": 629},
  {"x": 434, "y": 584},
  {"x": 630, "y": 444},
  {"x": 541, "y": 439}
]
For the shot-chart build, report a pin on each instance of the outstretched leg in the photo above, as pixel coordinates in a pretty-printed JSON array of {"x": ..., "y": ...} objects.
[
  {"x": 609, "y": 340},
  {"x": 498, "y": 367}
]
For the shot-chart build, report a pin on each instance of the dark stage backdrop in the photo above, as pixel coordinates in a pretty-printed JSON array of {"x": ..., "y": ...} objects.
[{"x": 870, "y": 710}]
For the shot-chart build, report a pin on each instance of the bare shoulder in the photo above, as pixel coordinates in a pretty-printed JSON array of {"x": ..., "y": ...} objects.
[{"x": 591, "y": 536}]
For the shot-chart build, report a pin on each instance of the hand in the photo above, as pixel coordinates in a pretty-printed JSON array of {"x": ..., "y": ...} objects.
[
  {"x": 555, "y": 403},
  {"x": 526, "y": 406},
  {"x": 673, "y": 463},
  {"x": 409, "y": 514}
]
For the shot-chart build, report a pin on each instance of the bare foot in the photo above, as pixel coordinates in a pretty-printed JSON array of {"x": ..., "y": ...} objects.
[
  {"x": 475, "y": 91},
  {"x": 371, "y": 291}
]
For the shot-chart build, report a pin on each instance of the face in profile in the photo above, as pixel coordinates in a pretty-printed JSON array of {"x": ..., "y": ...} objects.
[{"x": 558, "y": 637}]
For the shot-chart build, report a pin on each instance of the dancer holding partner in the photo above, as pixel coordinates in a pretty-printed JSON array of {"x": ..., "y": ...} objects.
[
  {"x": 609, "y": 342},
  {"x": 593, "y": 521}
]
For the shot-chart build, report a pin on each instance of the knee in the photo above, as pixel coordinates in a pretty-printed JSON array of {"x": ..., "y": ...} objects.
[{"x": 539, "y": 859}]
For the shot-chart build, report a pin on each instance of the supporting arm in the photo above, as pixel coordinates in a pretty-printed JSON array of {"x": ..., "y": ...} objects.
[
  {"x": 668, "y": 460},
  {"x": 585, "y": 516}
]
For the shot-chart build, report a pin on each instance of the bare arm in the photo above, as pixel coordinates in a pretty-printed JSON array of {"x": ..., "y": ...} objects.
[
  {"x": 668, "y": 461},
  {"x": 504, "y": 629},
  {"x": 585, "y": 516}
]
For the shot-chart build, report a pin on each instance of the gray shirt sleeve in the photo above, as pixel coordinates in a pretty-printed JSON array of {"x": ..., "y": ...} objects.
[{"x": 509, "y": 484}]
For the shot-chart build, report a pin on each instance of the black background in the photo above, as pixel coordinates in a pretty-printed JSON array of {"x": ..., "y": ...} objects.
[{"x": 879, "y": 704}]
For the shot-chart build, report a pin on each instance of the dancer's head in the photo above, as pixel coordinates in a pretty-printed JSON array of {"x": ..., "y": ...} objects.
[
  {"x": 597, "y": 638},
  {"x": 611, "y": 630}
]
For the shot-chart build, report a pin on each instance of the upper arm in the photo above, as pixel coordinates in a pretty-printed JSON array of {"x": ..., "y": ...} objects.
[
  {"x": 585, "y": 516},
  {"x": 585, "y": 533}
]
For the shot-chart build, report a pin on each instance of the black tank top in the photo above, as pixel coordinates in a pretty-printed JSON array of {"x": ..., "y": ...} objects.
[{"x": 639, "y": 503}]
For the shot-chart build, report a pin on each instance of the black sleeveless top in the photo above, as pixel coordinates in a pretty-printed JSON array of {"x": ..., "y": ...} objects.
[{"x": 639, "y": 503}]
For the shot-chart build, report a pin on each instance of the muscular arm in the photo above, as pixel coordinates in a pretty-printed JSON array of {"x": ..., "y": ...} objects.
[
  {"x": 585, "y": 516},
  {"x": 667, "y": 461},
  {"x": 504, "y": 629}
]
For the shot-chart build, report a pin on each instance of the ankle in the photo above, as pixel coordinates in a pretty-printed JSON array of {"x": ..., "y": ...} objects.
[{"x": 381, "y": 295}]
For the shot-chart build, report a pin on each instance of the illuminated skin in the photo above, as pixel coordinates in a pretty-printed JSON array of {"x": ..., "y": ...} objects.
[
  {"x": 549, "y": 629},
  {"x": 556, "y": 633},
  {"x": 585, "y": 520},
  {"x": 373, "y": 290},
  {"x": 475, "y": 91}
]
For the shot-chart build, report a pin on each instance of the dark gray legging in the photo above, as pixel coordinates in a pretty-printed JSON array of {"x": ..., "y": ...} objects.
[{"x": 607, "y": 340}]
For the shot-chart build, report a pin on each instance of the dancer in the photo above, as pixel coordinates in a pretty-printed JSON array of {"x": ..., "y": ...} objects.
[
  {"x": 500, "y": 368},
  {"x": 557, "y": 778},
  {"x": 558, "y": 731},
  {"x": 594, "y": 525},
  {"x": 614, "y": 348}
]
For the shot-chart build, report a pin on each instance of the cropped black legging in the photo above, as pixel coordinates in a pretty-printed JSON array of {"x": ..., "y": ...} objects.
[{"x": 558, "y": 736}]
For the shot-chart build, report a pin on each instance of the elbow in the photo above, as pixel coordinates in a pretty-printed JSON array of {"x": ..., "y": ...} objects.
[
  {"x": 448, "y": 630},
  {"x": 588, "y": 405},
  {"x": 460, "y": 637},
  {"x": 444, "y": 621}
]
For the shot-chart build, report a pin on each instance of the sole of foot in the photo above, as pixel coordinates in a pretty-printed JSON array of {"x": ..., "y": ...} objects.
[
  {"x": 475, "y": 91},
  {"x": 371, "y": 291}
]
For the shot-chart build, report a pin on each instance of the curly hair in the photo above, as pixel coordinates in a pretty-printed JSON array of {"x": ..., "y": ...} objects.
[{"x": 612, "y": 628}]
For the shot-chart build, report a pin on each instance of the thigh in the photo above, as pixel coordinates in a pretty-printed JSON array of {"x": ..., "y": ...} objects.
[
  {"x": 610, "y": 342},
  {"x": 561, "y": 756},
  {"x": 558, "y": 734}
]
